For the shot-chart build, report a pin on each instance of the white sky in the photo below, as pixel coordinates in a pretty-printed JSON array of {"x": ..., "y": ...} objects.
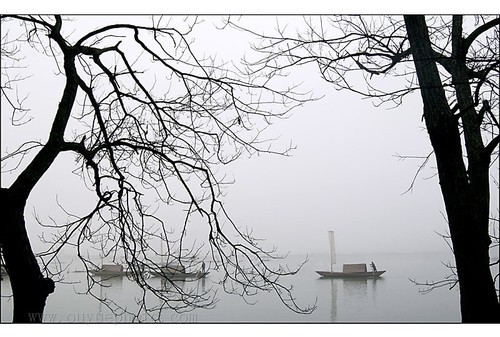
[
  {"x": 342, "y": 177},
  {"x": 251, "y": 7}
]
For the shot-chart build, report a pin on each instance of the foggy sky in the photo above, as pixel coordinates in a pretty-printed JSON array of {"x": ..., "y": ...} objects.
[{"x": 343, "y": 176}]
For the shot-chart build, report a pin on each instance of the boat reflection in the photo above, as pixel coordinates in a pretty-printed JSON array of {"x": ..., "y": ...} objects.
[
  {"x": 109, "y": 286},
  {"x": 355, "y": 287},
  {"x": 333, "y": 307},
  {"x": 347, "y": 294}
]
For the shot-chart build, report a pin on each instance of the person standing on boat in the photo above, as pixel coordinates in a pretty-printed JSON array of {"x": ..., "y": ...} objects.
[{"x": 374, "y": 268}]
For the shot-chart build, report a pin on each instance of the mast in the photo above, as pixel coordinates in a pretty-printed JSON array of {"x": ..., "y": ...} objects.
[
  {"x": 333, "y": 255},
  {"x": 162, "y": 264}
]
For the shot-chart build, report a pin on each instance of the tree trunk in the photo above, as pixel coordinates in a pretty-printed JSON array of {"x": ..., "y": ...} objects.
[
  {"x": 465, "y": 192},
  {"x": 29, "y": 288}
]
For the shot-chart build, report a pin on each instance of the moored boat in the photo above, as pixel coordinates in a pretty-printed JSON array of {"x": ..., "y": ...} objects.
[
  {"x": 351, "y": 270},
  {"x": 109, "y": 270},
  {"x": 178, "y": 273}
]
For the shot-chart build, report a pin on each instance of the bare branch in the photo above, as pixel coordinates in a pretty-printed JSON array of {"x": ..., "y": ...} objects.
[{"x": 155, "y": 123}]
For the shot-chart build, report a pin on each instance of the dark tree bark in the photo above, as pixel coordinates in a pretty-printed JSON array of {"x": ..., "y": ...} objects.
[
  {"x": 29, "y": 288},
  {"x": 465, "y": 191}
]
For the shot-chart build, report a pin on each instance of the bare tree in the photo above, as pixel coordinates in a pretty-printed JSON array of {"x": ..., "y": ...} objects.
[
  {"x": 454, "y": 63},
  {"x": 149, "y": 123},
  {"x": 451, "y": 280}
]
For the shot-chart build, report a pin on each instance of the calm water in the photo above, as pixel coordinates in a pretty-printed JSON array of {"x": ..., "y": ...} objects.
[{"x": 392, "y": 298}]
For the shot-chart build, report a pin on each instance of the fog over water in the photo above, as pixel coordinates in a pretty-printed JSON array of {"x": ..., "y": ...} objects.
[
  {"x": 344, "y": 175},
  {"x": 392, "y": 298}
]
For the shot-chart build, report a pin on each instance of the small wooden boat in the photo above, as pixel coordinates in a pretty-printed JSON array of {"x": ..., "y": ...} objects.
[
  {"x": 178, "y": 273},
  {"x": 353, "y": 270},
  {"x": 109, "y": 270},
  {"x": 358, "y": 270},
  {"x": 175, "y": 271}
]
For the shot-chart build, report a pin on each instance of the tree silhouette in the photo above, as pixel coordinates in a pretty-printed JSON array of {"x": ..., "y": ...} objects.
[
  {"x": 149, "y": 123},
  {"x": 453, "y": 62}
]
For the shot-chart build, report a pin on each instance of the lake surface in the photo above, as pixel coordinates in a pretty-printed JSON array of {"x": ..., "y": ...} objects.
[{"x": 392, "y": 298}]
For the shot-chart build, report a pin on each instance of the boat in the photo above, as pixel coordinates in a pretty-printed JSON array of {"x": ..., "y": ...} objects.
[
  {"x": 109, "y": 270},
  {"x": 178, "y": 273},
  {"x": 350, "y": 270},
  {"x": 175, "y": 271},
  {"x": 357, "y": 270}
]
